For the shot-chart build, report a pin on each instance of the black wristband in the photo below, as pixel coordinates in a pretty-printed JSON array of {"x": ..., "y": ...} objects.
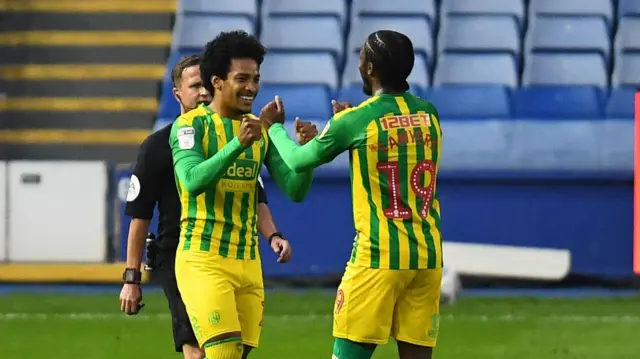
[
  {"x": 277, "y": 234},
  {"x": 132, "y": 276}
]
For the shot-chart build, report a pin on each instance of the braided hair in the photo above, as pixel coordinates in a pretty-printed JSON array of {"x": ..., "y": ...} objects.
[{"x": 392, "y": 56}]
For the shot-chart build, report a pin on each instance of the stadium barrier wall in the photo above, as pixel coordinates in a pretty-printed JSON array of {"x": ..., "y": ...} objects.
[
  {"x": 496, "y": 225},
  {"x": 56, "y": 222}
]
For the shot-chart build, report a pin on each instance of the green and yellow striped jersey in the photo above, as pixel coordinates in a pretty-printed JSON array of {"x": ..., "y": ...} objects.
[{"x": 394, "y": 143}]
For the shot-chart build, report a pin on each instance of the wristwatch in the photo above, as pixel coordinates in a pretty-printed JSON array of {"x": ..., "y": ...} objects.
[
  {"x": 277, "y": 234},
  {"x": 132, "y": 276}
]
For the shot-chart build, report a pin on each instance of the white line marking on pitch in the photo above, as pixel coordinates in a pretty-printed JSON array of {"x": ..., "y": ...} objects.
[{"x": 311, "y": 317}]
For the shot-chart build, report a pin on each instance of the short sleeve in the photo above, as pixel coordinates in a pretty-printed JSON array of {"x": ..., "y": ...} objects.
[{"x": 143, "y": 187}]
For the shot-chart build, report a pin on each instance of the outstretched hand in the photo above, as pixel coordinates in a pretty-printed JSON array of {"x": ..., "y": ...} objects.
[{"x": 273, "y": 112}]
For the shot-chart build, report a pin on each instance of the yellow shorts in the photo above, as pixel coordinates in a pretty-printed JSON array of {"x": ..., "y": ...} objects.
[
  {"x": 221, "y": 295},
  {"x": 375, "y": 304}
]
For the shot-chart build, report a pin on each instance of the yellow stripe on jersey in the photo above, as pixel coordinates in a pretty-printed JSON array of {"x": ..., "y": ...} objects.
[{"x": 219, "y": 202}]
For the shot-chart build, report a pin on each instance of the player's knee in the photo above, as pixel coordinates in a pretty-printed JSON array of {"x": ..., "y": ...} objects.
[
  {"x": 225, "y": 346},
  {"x": 347, "y": 349},
  {"x": 192, "y": 352}
]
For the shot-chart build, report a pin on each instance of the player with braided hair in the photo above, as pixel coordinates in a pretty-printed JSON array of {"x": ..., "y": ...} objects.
[{"x": 391, "y": 285}]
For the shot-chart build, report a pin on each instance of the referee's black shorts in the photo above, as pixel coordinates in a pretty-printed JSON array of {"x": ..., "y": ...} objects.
[{"x": 164, "y": 272}]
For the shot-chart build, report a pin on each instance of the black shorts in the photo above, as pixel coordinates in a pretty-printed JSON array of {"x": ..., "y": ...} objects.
[{"x": 164, "y": 272}]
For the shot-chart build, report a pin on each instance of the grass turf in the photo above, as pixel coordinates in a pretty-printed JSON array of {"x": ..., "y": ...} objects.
[{"x": 298, "y": 325}]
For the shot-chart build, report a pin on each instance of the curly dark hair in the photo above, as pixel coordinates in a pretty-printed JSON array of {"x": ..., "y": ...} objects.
[
  {"x": 392, "y": 56},
  {"x": 218, "y": 53}
]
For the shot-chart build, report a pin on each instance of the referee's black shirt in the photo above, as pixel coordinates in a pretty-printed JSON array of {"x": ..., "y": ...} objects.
[{"x": 153, "y": 182}]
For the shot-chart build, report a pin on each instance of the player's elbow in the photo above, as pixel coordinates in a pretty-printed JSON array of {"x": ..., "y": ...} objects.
[{"x": 192, "y": 187}]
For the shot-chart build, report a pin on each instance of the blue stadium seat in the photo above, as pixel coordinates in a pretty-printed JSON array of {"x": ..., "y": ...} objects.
[
  {"x": 299, "y": 69},
  {"x": 565, "y": 69},
  {"x": 626, "y": 71},
  {"x": 173, "y": 59},
  {"x": 470, "y": 102},
  {"x": 352, "y": 93},
  {"x": 514, "y": 8},
  {"x": 479, "y": 34},
  {"x": 600, "y": 8},
  {"x": 568, "y": 34},
  {"x": 424, "y": 8},
  {"x": 620, "y": 104},
  {"x": 306, "y": 101},
  {"x": 308, "y": 34},
  {"x": 478, "y": 145},
  {"x": 415, "y": 28},
  {"x": 168, "y": 106},
  {"x": 627, "y": 39},
  {"x": 483, "y": 69},
  {"x": 325, "y": 8},
  {"x": 570, "y": 145},
  {"x": 617, "y": 137},
  {"x": 248, "y": 8},
  {"x": 628, "y": 8},
  {"x": 563, "y": 102},
  {"x": 193, "y": 32},
  {"x": 161, "y": 122},
  {"x": 419, "y": 77}
]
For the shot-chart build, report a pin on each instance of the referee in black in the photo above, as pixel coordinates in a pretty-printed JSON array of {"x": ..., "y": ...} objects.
[{"x": 153, "y": 182}]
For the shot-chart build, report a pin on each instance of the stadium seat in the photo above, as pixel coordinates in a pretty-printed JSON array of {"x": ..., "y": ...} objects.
[
  {"x": 514, "y": 8},
  {"x": 479, "y": 34},
  {"x": 626, "y": 71},
  {"x": 161, "y": 122},
  {"x": 309, "y": 34},
  {"x": 173, "y": 59},
  {"x": 415, "y": 28},
  {"x": 424, "y": 8},
  {"x": 556, "y": 145},
  {"x": 168, "y": 106},
  {"x": 278, "y": 8},
  {"x": 419, "y": 77},
  {"x": 308, "y": 102},
  {"x": 352, "y": 93},
  {"x": 617, "y": 137},
  {"x": 628, "y": 8},
  {"x": 194, "y": 32},
  {"x": 568, "y": 34},
  {"x": 477, "y": 69},
  {"x": 283, "y": 69},
  {"x": 627, "y": 39},
  {"x": 564, "y": 69},
  {"x": 475, "y": 145},
  {"x": 563, "y": 102},
  {"x": 470, "y": 102},
  {"x": 620, "y": 103},
  {"x": 248, "y": 8},
  {"x": 582, "y": 8}
]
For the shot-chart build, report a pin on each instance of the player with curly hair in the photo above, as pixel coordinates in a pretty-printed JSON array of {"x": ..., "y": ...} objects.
[{"x": 218, "y": 151}]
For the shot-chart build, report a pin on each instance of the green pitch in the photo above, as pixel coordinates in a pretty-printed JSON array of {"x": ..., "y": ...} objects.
[{"x": 299, "y": 326}]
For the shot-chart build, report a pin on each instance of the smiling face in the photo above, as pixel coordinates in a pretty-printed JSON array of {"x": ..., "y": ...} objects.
[{"x": 238, "y": 91}]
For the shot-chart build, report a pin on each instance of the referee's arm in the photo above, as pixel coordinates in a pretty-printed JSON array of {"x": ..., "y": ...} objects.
[
  {"x": 266, "y": 225},
  {"x": 141, "y": 201}
]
